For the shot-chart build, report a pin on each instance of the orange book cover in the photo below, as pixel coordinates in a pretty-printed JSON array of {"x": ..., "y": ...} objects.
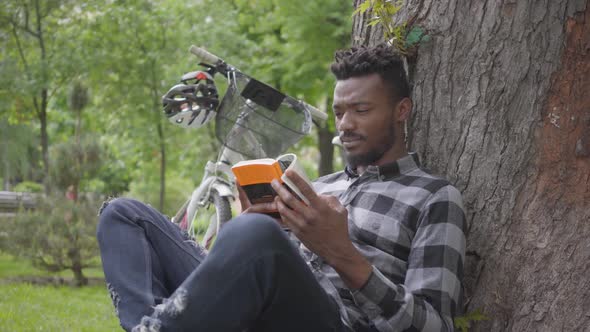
[{"x": 255, "y": 176}]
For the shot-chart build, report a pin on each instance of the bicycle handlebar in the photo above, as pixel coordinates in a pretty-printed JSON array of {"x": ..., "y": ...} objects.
[
  {"x": 210, "y": 58},
  {"x": 204, "y": 55},
  {"x": 316, "y": 113}
]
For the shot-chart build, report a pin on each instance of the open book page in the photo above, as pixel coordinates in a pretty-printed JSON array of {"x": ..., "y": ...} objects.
[{"x": 291, "y": 160}]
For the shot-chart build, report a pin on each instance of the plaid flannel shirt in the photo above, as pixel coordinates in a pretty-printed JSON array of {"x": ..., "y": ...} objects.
[{"x": 410, "y": 225}]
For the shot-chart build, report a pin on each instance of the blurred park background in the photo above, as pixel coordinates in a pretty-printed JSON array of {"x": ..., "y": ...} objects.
[{"x": 80, "y": 120}]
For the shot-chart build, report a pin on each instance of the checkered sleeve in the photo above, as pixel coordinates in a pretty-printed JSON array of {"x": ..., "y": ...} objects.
[{"x": 431, "y": 294}]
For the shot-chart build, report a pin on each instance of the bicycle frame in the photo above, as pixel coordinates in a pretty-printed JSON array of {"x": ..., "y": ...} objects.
[{"x": 217, "y": 176}]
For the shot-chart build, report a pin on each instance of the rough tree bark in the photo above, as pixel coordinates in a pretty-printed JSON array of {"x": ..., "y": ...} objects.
[{"x": 502, "y": 108}]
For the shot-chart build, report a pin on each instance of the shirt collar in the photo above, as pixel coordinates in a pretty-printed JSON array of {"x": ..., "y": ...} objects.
[{"x": 403, "y": 165}]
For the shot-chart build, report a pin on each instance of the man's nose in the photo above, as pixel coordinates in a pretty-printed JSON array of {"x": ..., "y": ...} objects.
[{"x": 345, "y": 123}]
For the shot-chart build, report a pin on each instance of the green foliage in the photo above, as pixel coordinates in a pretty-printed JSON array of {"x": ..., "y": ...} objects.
[
  {"x": 415, "y": 36},
  {"x": 135, "y": 66},
  {"x": 78, "y": 96},
  {"x": 382, "y": 13},
  {"x": 126, "y": 55},
  {"x": 18, "y": 156},
  {"x": 113, "y": 178},
  {"x": 292, "y": 43},
  {"x": 177, "y": 191},
  {"x": 287, "y": 44},
  {"x": 58, "y": 235},
  {"x": 37, "y": 50},
  {"x": 463, "y": 323},
  {"x": 29, "y": 187},
  {"x": 74, "y": 162}
]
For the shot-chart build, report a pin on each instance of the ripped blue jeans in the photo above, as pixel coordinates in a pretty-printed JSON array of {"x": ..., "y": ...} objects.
[{"x": 252, "y": 280}]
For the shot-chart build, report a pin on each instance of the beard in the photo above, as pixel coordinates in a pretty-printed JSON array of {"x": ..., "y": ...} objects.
[{"x": 374, "y": 154}]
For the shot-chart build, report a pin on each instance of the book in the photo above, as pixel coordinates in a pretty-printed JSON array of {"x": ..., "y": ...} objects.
[{"x": 255, "y": 176}]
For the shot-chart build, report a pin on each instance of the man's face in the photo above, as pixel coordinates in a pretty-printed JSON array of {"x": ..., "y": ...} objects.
[{"x": 366, "y": 119}]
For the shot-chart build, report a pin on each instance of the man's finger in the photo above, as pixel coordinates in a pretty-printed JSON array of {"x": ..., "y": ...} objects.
[
  {"x": 286, "y": 196},
  {"x": 262, "y": 208},
  {"x": 244, "y": 201},
  {"x": 302, "y": 185},
  {"x": 289, "y": 217}
]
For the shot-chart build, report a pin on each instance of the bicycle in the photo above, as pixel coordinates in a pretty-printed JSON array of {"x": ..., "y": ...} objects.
[{"x": 252, "y": 120}]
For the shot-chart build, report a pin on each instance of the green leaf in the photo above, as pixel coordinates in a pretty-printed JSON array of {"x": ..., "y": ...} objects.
[
  {"x": 392, "y": 9},
  {"x": 463, "y": 323},
  {"x": 373, "y": 22},
  {"x": 414, "y": 36},
  {"x": 363, "y": 7}
]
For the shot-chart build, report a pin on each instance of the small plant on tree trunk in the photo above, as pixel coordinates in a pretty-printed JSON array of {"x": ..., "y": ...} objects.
[{"x": 404, "y": 36}]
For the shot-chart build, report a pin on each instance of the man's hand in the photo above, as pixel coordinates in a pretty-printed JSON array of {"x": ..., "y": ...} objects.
[
  {"x": 322, "y": 226},
  {"x": 248, "y": 207}
]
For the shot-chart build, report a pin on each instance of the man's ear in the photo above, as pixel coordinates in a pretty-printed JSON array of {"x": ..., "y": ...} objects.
[{"x": 404, "y": 109}]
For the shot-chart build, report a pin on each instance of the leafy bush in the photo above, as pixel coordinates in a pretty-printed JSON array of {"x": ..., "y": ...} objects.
[
  {"x": 58, "y": 235},
  {"x": 73, "y": 162},
  {"x": 29, "y": 187},
  {"x": 115, "y": 176}
]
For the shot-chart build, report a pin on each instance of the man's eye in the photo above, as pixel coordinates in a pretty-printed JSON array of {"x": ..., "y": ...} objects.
[
  {"x": 338, "y": 115},
  {"x": 362, "y": 111}
]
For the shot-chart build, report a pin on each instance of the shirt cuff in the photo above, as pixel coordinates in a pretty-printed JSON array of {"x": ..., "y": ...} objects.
[{"x": 372, "y": 292}]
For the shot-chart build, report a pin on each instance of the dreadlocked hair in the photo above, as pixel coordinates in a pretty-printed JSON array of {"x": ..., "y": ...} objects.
[{"x": 380, "y": 59}]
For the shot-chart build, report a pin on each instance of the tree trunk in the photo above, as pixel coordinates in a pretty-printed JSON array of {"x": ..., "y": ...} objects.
[
  {"x": 6, "y": 177},
  {"x": 76, "y": 262},
  {"x": 325, "y": 135},
  {"x": 44, "y": 145},
  {"x": 79, "y": 278},
  {"x": 158, "y": 121},
  {"x": 326, "y": 165},
  {"x": 42, "y": 112},
  {"x": 162, "y": 141},
  {"x": 501, "y": 108}
]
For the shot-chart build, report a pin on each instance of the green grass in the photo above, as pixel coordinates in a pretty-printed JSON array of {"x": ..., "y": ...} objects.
[{"x": 26, "y": 307}]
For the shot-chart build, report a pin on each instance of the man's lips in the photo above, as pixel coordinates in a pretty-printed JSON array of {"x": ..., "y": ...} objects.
[
  {"x": 351, "y": 140},
  {"x": 350, "y": 145}
]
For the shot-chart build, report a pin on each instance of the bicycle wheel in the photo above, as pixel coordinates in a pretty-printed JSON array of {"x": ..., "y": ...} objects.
[{"x": 222, "y": 214}]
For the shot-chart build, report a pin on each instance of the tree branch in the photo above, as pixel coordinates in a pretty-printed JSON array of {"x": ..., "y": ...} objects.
[
  {"x": 58, "y": 85},
  {"x": 20, "y": 50},
  {"x": 51, "y": 267},
  {"x": 164, "y": 30},
  {"x": 27, "y": 17},
  {"x": 24, "y": 27},
  {"x": 36, "y": 105},
  {"x": 40, "y": 30}
]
